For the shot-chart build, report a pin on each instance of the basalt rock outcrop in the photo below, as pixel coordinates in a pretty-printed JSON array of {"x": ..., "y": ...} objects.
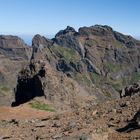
[
  {"x": 29, "y": 83},
  {"x": 130, "y": 90}
]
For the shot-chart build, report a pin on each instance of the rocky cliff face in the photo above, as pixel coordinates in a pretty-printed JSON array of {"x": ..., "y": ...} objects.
[
  {"x": 14, "y": 48},
  {"x": 98, "y": 58},
  {"x": 85, "y": 66},
  {"x": 14, "y": 54},
  {"x": 38, "y": 44}
]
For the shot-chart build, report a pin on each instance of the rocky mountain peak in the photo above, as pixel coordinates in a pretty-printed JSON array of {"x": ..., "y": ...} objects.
[
  {"x": 105, "y": 27},
  {"x": 68, "y": 31},
  {"x": 96, "y": 30},
  {"x": 40, "y": 41}
]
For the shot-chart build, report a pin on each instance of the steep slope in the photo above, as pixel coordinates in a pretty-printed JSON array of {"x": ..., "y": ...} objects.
[
  {"x": 14, "y": 54},
  {"x": 100, "y": 122}
]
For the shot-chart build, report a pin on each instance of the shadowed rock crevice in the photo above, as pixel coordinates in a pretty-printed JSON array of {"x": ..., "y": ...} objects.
[
  {"x": 132, "y": 125},
  {"x": 29, "y": 85}
]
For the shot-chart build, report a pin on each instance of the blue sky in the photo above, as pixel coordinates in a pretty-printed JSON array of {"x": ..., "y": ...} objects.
[{"x": 47, "y": 17}]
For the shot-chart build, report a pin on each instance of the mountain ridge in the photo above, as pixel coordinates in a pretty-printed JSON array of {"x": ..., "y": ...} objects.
[
  {"x": 83, "y": 84},
  {"x": 97, "y": 58}
]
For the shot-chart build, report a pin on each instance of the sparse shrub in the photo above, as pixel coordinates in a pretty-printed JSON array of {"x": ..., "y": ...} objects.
[
  {"x": 4, "y": 89},
  {"x": 135, "y": 77},
  {"x": 107, "y": 94},
  {"x": 86, "y": 79},
  {"x": 112, "y": 67},
  {"x": 95, "y": 77},
  {"x": 42, "y": 106}
]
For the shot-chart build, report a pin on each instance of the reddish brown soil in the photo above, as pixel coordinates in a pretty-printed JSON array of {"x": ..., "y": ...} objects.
[{"x": 92, "y": 123}]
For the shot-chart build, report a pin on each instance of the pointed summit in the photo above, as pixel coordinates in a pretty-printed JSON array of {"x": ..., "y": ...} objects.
[{"x": 68, "y": 30}]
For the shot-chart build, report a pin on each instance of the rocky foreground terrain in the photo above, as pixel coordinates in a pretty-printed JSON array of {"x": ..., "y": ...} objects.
[
  {"x": 99, "y": 122},
  {"x": 79, "y": 85}
]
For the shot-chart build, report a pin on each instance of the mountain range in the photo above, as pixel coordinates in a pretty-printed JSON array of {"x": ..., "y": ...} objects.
[{"x": 86, "y": 66}]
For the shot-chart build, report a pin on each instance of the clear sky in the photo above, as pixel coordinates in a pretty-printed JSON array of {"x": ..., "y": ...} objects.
[{"x": 47, "y": 17}]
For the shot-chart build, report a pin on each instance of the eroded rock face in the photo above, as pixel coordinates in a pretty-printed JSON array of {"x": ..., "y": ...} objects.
[
  {"x": 68, "y": 38},
  {"x": 130, "y": 90},
  {"x": 39, "y": 43},
  {"x": 14, "y": 54},
  {"x": 29, "y": 84},
  {"x": 14, "y": 47}
]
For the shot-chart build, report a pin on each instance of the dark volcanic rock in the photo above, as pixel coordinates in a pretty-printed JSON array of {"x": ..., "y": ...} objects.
[
  {"x": 29, "y": 85},
  {"x": 63, "y": 66},
  {"x": 68, "y": 38},
  {"x": 77, "y": 66},
  {"x": 127, "y": 40},
  {"x": 91, "y": 67},
  {"x": 133, "y": 124},
  {"x": 69, "y": 30},
  {"x": 130, "y": 90},
  {"x": 14, "y": 47}
]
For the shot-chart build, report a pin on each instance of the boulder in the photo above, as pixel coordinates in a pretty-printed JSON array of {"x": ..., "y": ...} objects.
[{"x": 130, "y": 90}]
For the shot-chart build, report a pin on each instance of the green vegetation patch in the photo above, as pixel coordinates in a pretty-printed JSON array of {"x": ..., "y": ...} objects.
[
  {"x": 68, "y": 53},
  {"x": 135, "y": 77},
  {"x": 118, "y": 44},
  {"x": 91, "y": 42},
  {"x": 86, "y": 79},
  {"x": 83, "y": 79},
  {"x": 117, "y": 86},
  {"x": 112, "y": 67},
  {"x": 42, "y": 106},
  {"x": 107, "y": 94},
  {"x": 96, "y": 78},
  {"x": 125, "y": 81},
  {"x": 4, "y": 89}
]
